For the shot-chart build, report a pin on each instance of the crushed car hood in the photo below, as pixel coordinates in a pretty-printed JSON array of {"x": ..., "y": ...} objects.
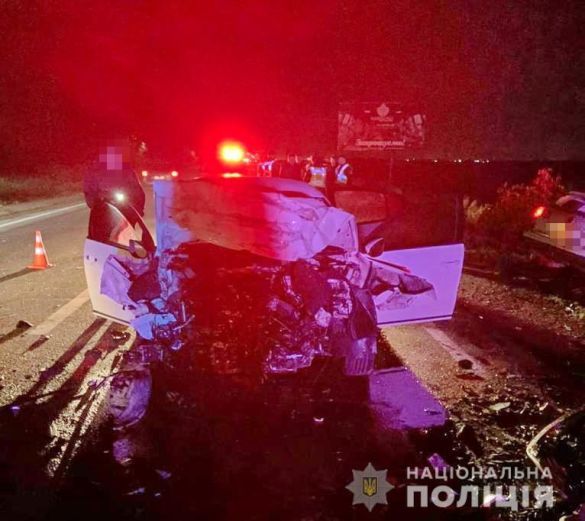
[{"x": 279, "y": 219}]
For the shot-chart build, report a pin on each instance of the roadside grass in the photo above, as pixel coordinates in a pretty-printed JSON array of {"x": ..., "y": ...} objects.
[{"x": 21, "y": 187}]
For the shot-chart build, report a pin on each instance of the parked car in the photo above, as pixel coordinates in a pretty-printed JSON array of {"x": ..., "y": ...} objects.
[{"x": 559, "y": 230}]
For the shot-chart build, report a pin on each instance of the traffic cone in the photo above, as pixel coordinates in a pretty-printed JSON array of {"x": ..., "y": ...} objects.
[{"x": 40, "y": 259}]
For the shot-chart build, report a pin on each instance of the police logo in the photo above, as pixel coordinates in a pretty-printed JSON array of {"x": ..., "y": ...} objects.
[{"x": 369, "y": 487}]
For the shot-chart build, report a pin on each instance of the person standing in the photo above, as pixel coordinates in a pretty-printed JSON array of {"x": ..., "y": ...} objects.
[
  {"x": 291, "y": 169},
  {"x": 343, "y": 171},
  {"x": 317, "y": 174},
  {"x": 113, "y": 179},
  {"x": 331, "y": 164}
]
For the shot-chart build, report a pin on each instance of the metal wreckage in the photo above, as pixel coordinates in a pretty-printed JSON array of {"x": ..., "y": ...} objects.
[{"x": 259, "y": 275}]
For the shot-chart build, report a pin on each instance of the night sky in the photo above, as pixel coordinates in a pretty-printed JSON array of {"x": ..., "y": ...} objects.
[{"x": 496, "y": 79}]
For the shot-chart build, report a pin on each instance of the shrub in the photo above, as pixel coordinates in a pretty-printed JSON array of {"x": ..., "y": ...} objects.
[
  {"x": 54, "y": 181},
  {"x": 504, "y": 221}
]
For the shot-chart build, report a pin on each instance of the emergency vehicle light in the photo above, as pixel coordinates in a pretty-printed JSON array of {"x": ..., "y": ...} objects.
[{"x": 230, "y": 152}]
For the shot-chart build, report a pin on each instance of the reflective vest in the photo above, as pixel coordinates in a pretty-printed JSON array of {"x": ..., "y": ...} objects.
[
  {"x": 318, "y": 176},
  {"x": 340, "y": 175},
  {"x": 266, "y": 167}
]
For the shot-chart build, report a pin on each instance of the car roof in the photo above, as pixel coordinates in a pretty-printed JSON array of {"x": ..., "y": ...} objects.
[
  {"x": 573, "y": 196},
  {"x": 578, "y": 195},
  {"x": 573, "y": 202}
]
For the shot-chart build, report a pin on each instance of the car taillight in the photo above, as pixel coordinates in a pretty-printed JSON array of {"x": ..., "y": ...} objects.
[{"x": 539, "y": 211}]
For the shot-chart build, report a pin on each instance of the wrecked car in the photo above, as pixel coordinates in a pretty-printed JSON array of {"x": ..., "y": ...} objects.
[
  {"x": 263, "y": 275},
  {"x": 558, "y": 231}
]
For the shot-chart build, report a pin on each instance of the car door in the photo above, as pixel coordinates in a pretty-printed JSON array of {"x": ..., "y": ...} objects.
[
  {"x": 415, "y": 245},
  {"x": 111, "y": 233}
]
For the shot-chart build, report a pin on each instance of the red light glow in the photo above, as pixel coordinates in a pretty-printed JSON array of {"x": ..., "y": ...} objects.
[
  {"x": 228, "y": 175},
  {"x": 174, "y": 173},
  {"x": 539, "y": 212},
  {"x": 231, "y": 152}
]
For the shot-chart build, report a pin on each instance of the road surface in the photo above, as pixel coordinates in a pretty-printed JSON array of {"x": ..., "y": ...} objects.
[{"x": 217, "y": 449}]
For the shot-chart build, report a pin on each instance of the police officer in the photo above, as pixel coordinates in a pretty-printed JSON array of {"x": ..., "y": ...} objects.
[
  {"x": 317, "y": 173},
  {"x": 343, "y": 171},
  {"x": 113, "y": 179},
  {"x": 266, "y": 168}
]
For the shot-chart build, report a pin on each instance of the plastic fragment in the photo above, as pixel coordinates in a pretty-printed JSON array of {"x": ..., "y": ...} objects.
[{"x": 23, "y": 324}]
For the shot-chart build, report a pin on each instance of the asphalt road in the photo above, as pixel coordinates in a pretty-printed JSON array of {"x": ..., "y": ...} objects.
[{"x": 255, "y": 455}]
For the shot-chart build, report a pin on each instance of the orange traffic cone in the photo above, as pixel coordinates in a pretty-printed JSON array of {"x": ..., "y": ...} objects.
[{"x": 40, "y": 260}]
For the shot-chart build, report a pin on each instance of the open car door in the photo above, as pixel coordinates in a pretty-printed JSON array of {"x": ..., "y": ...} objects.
[
  {"x": 416, "y": 249},
  {"x": 112, "y": 244}
]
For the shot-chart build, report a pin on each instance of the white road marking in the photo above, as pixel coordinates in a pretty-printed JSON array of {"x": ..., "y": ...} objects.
[
  {"x": 13, "y": 223},
  {"x": 456, "y": 352},
  {"x": 61, "y": 314}
]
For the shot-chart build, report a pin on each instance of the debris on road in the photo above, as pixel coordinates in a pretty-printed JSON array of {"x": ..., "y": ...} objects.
[
  {"x": 500, "y": 406},
  {"x": 526, "y": 314},
  {"x": 466, "y": 434},
  {"x": 23, "y": 324},
  {"x": 137, "y": 492},
  {"x": 560, "y": 446},
  {"x": 548, "y": 409},
  {"x": 129, "y": 395},
  {"x": 437, "y": 462},
  {"x": 123, "y": 451},
  {"x": 164, "y": 474},
  {"x": 465, "y": 364},
  {"x": 120, "y": 336}
]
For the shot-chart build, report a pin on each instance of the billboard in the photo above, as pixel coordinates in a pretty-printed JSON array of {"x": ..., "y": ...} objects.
[{"x": 379, "y": 126}]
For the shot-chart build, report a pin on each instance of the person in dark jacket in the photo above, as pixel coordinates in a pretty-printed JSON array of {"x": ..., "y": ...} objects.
[
  {"x": 113, "y": 179},
  {"x": 292, "y": 168},
  {"x": 330, "y": 180}
]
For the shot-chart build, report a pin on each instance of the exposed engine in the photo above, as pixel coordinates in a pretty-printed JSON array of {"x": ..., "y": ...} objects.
[{"x": 237, "y": 312}]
